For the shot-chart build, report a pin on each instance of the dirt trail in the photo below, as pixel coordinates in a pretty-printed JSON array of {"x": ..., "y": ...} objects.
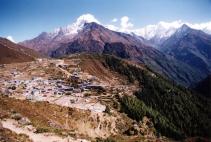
[{"x": 36, "y": 137}]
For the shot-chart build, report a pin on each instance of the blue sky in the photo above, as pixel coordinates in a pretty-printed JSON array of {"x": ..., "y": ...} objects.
[{"x": 24, "y": 19}]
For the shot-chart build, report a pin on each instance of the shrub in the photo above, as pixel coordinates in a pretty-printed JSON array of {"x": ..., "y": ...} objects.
[
  {"x": 16, "y": 116},
  {"x": 42, "y": 130},
  {"x": 136, "y": 109},
  {"x": 107, "y": 110},
  {"x": 105, "y": 140}
]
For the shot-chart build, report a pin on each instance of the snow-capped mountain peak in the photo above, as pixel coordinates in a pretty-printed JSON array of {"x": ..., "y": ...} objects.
[
  {"x": 166, "y": 29},
  {"x": 183, "y": 28},
  {"x": 182, "y": 31},
  {"x": 76, "y": 26},
  {"x": 161, "y": 30}
]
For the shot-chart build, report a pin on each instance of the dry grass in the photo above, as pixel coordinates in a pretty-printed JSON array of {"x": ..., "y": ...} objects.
[
  {"x": 9, "y": 136},
  {"x": 94, "y": 66},
  {"x": 62, "y": 120}
]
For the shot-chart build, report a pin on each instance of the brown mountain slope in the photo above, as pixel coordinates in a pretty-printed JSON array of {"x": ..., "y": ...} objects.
[{"x": 14, "y": 53}]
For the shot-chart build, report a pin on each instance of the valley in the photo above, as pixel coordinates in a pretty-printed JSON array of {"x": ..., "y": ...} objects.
[
  {"x": 139, "y": 73},
  {"x": 66, "y": 100}
]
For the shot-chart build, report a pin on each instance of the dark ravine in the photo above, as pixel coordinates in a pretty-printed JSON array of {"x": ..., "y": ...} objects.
[{"x": 203, "y": 87}]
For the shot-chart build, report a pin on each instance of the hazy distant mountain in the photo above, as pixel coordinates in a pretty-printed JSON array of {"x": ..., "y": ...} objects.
[
  {"x": 190, "y": 46},
  {"x": 11, "y": 52},
  {"x": 158, "y": 33}
]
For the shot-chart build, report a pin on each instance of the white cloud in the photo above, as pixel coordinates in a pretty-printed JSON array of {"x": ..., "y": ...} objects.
[
  {"x": 125, "y": 24},
  {"x": 86, "y": 18},
  {"x": 114, "y": 20},
  {"x": 112, "y": 27},
  {"x": 10, "y": 38}
]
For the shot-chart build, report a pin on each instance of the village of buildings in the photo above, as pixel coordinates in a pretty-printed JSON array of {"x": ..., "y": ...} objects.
[
  {"x": 56, "y": 91},
  {"x": 29, "y": 81}
]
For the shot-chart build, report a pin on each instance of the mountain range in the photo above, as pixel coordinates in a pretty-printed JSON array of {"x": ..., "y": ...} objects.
[
  {"x": 92, "y": 37},
  {"x": 161, "y": 31}
]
